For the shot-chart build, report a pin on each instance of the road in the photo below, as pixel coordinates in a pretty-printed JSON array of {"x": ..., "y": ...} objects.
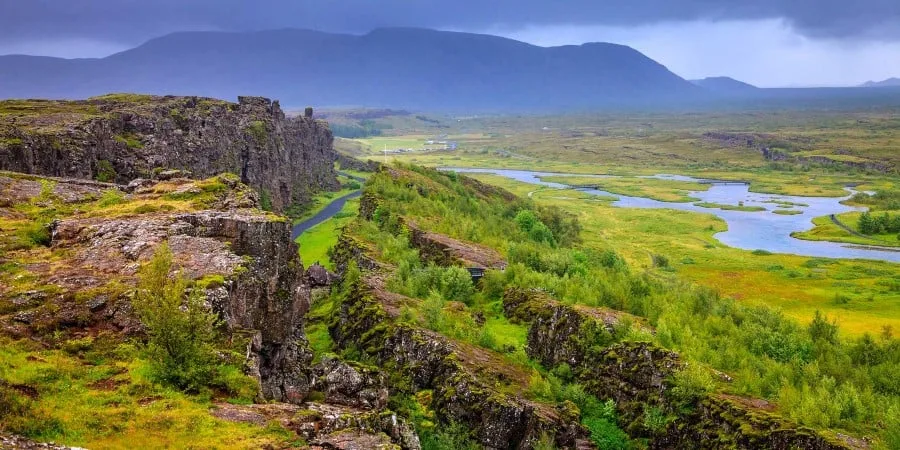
[{"x": 329, "y": 211}]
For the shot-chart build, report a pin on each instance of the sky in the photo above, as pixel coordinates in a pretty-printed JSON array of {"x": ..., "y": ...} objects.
[{"x": 769, "y": 43}]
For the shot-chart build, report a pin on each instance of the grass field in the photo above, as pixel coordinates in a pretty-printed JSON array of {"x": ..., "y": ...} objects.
[
  {"x": 863, "y": 296},
  {"x": 725, "y": 207},
  {"x": 316, "y": 241},
  {"x": 722, "y": 146},
  {"x": 662, "y": 190}
]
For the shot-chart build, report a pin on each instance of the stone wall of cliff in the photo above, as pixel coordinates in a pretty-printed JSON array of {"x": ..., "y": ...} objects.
[
  {"x": 123, "y": 137},
  {"x": 638, "y": 376}
]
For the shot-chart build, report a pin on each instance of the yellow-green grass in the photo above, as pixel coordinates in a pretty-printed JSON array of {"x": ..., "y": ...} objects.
[
  {"x": 315, "y": 242},
  {"x": 798, "y": 285},
  {"x": 811, "y": 183},
  {"x": 657, "y": 189},
  {"x": 826, "y": 230},
  {"x": 112, "y": 403},
  {"x": 376, "y": 145},
  {"x": 787, "y": 212},
  {"x": 725, "y": 207}
]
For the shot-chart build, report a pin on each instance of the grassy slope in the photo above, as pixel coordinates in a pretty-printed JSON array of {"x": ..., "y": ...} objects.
[
  {"x": 103, "y": 398},
  {"x": 795, "y": 284},
  {"x": 746, "y": 343}
]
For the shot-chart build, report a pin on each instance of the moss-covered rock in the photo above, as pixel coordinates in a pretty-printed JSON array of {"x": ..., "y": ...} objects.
[
  {"x": 123, "y": 137},
  {"x": 419, "y": 360},
  {"x": 639, "y": 377}
]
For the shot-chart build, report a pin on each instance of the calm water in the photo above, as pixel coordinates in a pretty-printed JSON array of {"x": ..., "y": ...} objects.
[{"x": 747, "y": 230}]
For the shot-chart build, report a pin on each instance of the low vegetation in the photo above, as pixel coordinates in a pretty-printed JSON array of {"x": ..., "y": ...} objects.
[{"x": 816, "y": 374}]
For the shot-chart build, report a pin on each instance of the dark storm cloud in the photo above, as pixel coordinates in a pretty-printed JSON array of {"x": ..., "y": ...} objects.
[{"x": 130, "y": 21}]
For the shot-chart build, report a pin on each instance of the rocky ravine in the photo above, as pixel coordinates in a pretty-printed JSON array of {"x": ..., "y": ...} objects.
[
  {"x": 80, "y": 285},
  {"x": 122, "y": 137}
]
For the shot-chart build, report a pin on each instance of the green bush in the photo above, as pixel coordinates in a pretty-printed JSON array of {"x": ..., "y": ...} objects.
[
  {"x": 242, "y": 388},
  {"x": 265, "y": 200},
  {"x": 660, "y": 261},
  {"x": 258, "y": 130},
  {"x": 456, "y": 285},
  {"x": 180, "y": 329},
  {"x": 691, "y": 384},
  {"x": 452, "y": 436},
  {"x": 105, "y": 171},
  {"x": 821, "y": 329}
]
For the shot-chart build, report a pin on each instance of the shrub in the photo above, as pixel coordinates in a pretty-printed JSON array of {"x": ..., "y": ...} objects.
[
  {"x": 433, "y": 312},
  {"x": 541, "y": 233},
  {"x": 606, "y": 434},
  {"x": 105, "y": 171},
  {"x": 655, "y": 420},
  {"x": 526, "y": 220},
  {"x": 456, "y": 285},
  {"x": 691, "y": 384},
  {"x": 242, "y": 388},
  {"x": 180, "y": 329},
  {"x": 257, "y": 129},
  {"x": 35, "y": 234},
  {"x": 660, "y": 261},
  {"x": 892, "y": 428},
  {"x": 451, "y": 436},
  {"x": 821, "y": 329},
  {"x": 265, "y": 200}
]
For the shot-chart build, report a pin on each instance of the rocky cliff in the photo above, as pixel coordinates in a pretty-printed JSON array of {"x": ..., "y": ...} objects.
[
  {"x": 639, "y": 377},
  {"x": 70, "y": 251},
  {"x": 119, "y": 138},
  {"x": 259, "y": 287}
]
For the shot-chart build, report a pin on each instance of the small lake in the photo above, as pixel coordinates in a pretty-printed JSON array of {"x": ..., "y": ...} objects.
[{"x": 761, "y": 230}]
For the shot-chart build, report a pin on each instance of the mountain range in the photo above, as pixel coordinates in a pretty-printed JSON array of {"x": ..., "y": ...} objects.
[
  {"x": 408, "y": 68},
  {"x": 397, "y": 67},
  {"x": 890, "y": 82}
]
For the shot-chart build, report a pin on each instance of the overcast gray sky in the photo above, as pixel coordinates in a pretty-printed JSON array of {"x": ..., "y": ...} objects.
[{"x": 765, "y": 42}]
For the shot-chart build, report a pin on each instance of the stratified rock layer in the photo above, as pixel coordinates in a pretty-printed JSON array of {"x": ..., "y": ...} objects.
[{"x": 123, "y": 137}]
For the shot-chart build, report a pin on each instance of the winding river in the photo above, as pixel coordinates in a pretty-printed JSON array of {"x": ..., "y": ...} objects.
[{"x": 759, "y": 230}]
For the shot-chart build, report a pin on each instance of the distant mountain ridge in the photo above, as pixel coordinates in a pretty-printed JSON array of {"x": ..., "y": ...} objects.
[
  {"x": 725, "y": 85},
  {"x": 395, "y": 67},
  {"x": 890, "y": 82}
]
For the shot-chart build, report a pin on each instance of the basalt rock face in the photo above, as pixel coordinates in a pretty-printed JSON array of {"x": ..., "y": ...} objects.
[
  {"x": 638, "y": 376},
  {"x": 258, "y": 286},
  {"x": 123, "y": 137},
  {"x": 425, "y": 360},
  {"x": 269, "y": 295}
]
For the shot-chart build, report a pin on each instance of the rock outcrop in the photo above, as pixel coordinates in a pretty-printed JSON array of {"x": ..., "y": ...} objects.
[
  {"x": 123, "y": 137},
  {"x": 424, "y": 360},
  {"x": 248, "y": 264},
  {"x": 329, "y": 427},
  {"x": 638, "y": 376},
  {"x": 444, "y": 250}
]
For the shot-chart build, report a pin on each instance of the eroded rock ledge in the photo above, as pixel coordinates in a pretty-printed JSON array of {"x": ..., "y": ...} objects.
[
  {"x": 123, "y": 137},
  {"x": 425, "y": 360},
  {"x": 638, "y": 376}
]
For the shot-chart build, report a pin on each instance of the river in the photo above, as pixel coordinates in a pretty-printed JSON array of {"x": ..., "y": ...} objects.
[{"x": 759, "y": 230}]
